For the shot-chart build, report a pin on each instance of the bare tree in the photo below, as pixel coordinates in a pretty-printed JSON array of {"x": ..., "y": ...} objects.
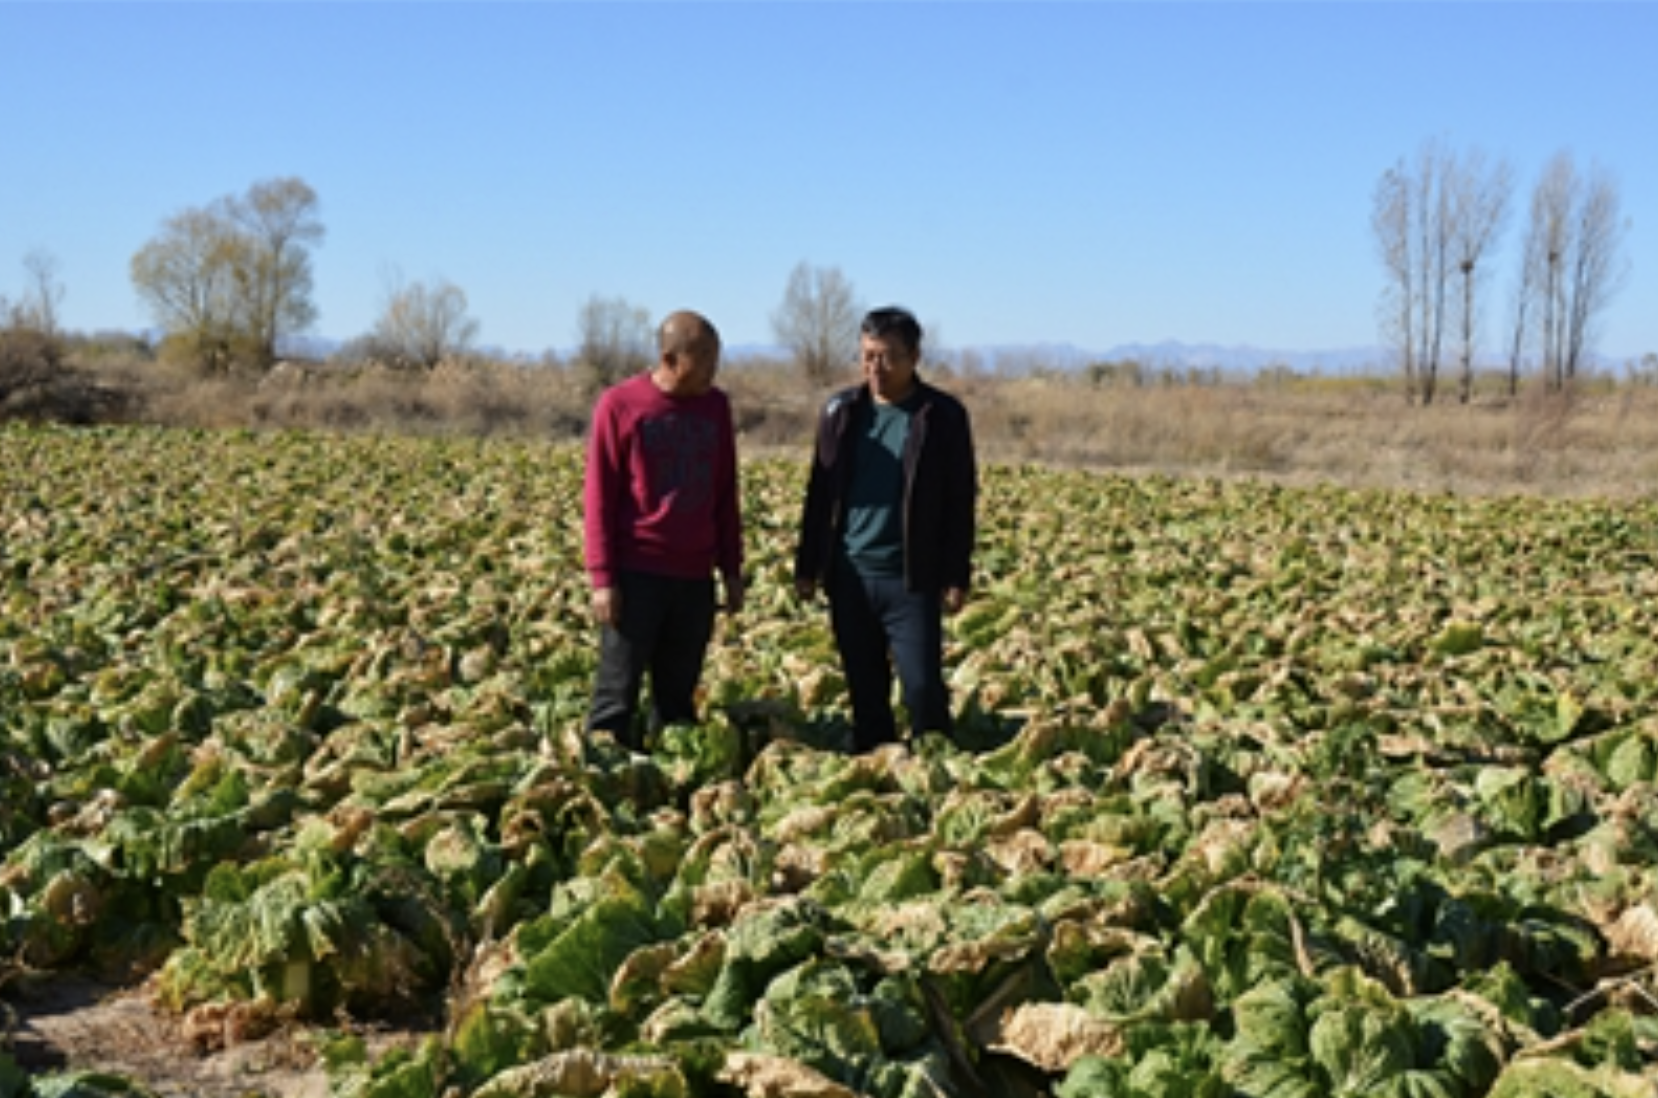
[
  {"x": 422, "y": 325},
  {"x": 1479, "y": 197},
  {"x": 1436, "y": 218},
  {"x": 1551, "y": 226},
  {"x": 1572, "y": 266},
  {"x": 818, "y": 321},
  {"x": 1527, "y": 291},
  {"x": 28, "y": 360},
  {"x": 1411, "y": 215},
  {"x": 231, "y": 279},
  {"x": 31, "y": 347},
  {"x": 937, "y": 354},
  {"x": 1597, "y": 270},
  {"x": 1390, "y": 220},
  {"x": 614, "y": 339},
  {"x": 45, "y": 294},
  {"x": 1432, "y": 231}
]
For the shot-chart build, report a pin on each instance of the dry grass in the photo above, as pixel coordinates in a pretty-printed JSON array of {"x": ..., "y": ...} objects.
[{"x": 1600, "y": 441}]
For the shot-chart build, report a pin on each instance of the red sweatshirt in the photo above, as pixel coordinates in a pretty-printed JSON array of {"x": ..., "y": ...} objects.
[{"x": 661, "y": 488}]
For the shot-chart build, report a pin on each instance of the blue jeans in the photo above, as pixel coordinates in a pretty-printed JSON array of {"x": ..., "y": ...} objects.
[
  {"x": 878, "y": 624},
  {"x": 664, "y": 631}
]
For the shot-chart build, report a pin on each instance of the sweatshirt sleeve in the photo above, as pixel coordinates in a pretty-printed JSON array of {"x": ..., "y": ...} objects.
[
  {"x": 814, "y": 508},
  {"x": 961, "y": 505},
  {"x": 601, "y": 493},
  {"x": 728, "y": 516}
]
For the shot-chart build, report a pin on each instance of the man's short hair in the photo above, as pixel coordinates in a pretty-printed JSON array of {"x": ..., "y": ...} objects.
[{"x": 892, "y": 322}]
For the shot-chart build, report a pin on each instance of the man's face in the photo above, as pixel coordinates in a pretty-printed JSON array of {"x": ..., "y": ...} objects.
[
  {"x": 889, "y": 367},
  {"x": 695, "y": 367}
]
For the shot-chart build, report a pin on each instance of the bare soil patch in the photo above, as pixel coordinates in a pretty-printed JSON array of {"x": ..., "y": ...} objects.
[{"x": 62, "y": 1022}]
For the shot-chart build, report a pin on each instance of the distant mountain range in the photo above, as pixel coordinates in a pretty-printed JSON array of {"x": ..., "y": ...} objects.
[
  {"x": 1018, "y": 358},
  {"x": 1015, "y": 358},
  {"x": 1343, "y": 360},
  {"x": 1022, "y": 358},
  {"x": 1209, "y": 355}
]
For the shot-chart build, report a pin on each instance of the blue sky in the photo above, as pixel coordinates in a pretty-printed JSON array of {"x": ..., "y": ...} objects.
[{"x": 1016, "y": 173}]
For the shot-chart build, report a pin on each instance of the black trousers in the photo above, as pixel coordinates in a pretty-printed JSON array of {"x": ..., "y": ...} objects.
[
  {"x": 664, "y": 631},
  {"x": 878, "y": 624}
]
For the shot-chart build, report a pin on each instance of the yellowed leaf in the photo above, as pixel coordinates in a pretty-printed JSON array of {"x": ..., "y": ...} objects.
[
  {"x": 717, "y": 903},
  {"x": 691, "y": 969},
  {"x": 578, "y": 1073},
  {"x": 1635, "y": 934},
  {"x": 644, "y": 966},
  {"x": 762, "y": 1076},
  {"x": 1082, "y": 858},
  {"x": 1021, "y": 853},
  {"x": 1053, "y": 1036}
]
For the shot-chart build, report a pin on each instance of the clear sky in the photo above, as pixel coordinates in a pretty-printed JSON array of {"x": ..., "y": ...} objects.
[{"x": 1084, "y": 173}]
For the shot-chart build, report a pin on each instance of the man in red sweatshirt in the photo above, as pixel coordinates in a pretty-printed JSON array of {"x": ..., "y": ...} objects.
[{"x": 662, "y": 516}]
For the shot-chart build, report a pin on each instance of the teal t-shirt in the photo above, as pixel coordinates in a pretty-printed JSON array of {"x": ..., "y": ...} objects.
[{"x": 874, "y": 534}]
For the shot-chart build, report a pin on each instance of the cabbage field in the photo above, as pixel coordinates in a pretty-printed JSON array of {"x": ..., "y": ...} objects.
[{"x": 1265, "y": 791}]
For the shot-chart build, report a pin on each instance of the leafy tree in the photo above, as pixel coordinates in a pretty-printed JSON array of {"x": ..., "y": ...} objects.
[
  {"x": 277, "y": 222},
  {"x": 818, "y": 321},
  {"x": 185, "y": 279},
  {"x": 227, "y": 281}
]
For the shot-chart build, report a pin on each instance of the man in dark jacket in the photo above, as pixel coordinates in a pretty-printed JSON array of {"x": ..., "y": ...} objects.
[{"x": 887, "y": 529}]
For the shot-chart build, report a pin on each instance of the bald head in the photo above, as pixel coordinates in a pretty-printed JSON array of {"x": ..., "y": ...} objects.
[
  {"x": 684, "y": 331},
  {"x": 688, "y": 353}
]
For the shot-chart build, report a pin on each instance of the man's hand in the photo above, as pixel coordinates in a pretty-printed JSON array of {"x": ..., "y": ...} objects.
[
  {"x": 954, "y": 599},
  {"x": 734, "y": 591},
  {"x": 607, "y": 605}
]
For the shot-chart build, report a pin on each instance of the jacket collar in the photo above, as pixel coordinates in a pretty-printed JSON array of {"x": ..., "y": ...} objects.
[{"x": 860, "y": 394}]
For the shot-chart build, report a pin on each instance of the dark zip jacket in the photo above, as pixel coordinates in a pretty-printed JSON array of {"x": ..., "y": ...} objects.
[{"x": 940, "y": 491}]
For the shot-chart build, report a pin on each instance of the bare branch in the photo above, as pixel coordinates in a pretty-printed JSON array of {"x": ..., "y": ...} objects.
[
  {"x": 45, "y": 293},
  {"x": 1571, "y": 268},
  {"x": 421, "y": 326},
  {"x": 818, "y": 321},
  {"x": 614, "y": 339}
]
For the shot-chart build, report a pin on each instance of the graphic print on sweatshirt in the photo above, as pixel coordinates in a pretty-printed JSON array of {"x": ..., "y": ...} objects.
[{"x": 680, "y": 453}]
